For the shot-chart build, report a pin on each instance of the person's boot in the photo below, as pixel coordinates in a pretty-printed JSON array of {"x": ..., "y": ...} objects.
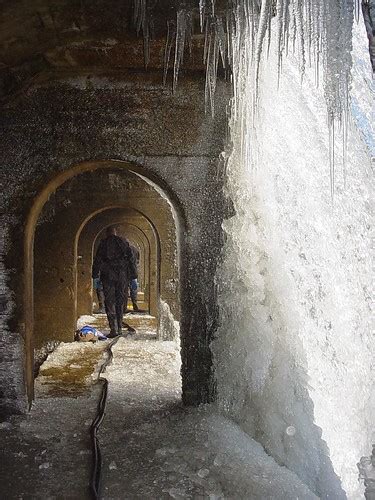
[
  {"x": 119, "y": 325},
  {"x": 113, "y": 327},
  {"x": 112, "y": 335},
  {"x": 135, "y": 307}
]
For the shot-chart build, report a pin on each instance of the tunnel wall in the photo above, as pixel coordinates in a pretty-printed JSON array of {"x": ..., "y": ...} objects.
[{"x": 65, "y": 121}]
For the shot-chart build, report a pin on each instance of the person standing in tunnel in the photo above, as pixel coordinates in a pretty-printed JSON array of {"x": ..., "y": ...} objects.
[
  {"x": 133, "y": 283},
  {"x": 114, "y": 262}
]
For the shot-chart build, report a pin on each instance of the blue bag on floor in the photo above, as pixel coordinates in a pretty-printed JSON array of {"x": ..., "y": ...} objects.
[{"x": 89, "y": 334}]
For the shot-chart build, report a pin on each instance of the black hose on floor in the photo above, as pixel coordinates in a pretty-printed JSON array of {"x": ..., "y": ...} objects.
[{"x": 95, "y": 482}]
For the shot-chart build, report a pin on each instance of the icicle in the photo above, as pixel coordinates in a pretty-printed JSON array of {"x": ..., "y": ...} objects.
[
  {"x": 357, "y": 9},
  {"x": 207, "y": 34},
  {"x": 230, "y": 32},
  {"x": 269, "y": 32},
  {"x": 212, "y": 57},
  {"x": 253, "y": 28},
  {"x": 293, "y": 28},
  {"x": 316, "y": 39},
  {"x": 286, "y": 24},
  {"x": 345, "y": 144},
  {"x": 202, "y": 9},
  {"x": 213, "y": 7},
  {"x": 171, "y": 33},
  {"x": 139, "y": 14},
  {"x": 221, "y": 37},
  {"x": 300, "y": 30},
  {"x": 331, "y": 128},
  {"x": 243, "y": 35},
  {"x": 262, "y": 29},
  {"x": 183, "y": 36},
  {"x": 279, "y": 42},
  {"x": 308, "y": 17},
  {"x": 146, "y": 44},
  {"x": 141, "y": 22}
]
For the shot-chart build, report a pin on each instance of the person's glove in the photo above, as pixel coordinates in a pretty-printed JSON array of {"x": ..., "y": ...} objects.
[{"x": 96, "y": 282}]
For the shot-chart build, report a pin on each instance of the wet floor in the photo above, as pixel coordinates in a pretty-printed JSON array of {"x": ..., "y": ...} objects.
[
  {"x": 152, "y": 447},
  {"x": 48, "y": 452},
  {"x": 72, "y": 378}
]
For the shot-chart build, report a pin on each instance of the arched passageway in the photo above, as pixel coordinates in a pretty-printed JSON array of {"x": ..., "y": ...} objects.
[
  {"x": 136, "y": 228},
  {"x": 181, "y": 157},
  {"x": 143, "y": 239},
  {"x": 196, "y": 275},
  {"x": 57, "y": 237},
  {"x": 68, "y": 123},
  {"x": 196, "y": 367},
  {"x": 138, "y": 239}
]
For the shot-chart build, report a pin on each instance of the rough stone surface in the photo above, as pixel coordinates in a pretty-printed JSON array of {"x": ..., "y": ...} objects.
[
  {"x": 59, "y": 124},
  {"x": 102, "y": 35}
]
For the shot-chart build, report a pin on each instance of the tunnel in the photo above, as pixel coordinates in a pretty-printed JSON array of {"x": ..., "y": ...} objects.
[
  {"x": 231, "y": 144},
  {"x": 66, "y": 230},
  {"x": 65, "y": 239},
  {"x": 139, "y": 232}
]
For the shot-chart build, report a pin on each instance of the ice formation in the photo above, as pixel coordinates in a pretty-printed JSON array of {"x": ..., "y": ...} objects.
[
  {"x": 169, "y": 328},
  {"x": 296, "y": 280},
  {"x": 319, "y": 29},
  {"x": 294, "y": 361}
]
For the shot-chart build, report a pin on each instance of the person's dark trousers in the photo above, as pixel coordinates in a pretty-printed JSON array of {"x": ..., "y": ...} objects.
[
  {"x": 101, "y": 299},
  {"x": 133, "y": 286},
  {"x": 115, "y": 293}
]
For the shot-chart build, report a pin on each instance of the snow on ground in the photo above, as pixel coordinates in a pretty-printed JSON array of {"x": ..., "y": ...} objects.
[
  {"x": 152, "y": 446},
  {"x": 47, "y": 453},
  {"x": 87, "y": 320},
  {"x": 155, "y": 448}
]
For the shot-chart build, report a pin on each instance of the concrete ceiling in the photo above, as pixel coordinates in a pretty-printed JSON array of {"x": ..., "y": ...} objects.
[{"x": 39, "y": 36}]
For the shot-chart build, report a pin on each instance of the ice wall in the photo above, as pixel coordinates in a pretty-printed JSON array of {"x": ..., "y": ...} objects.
[
  {"x": 169, "y": 328},
  {"x": 294, "y": 354}
]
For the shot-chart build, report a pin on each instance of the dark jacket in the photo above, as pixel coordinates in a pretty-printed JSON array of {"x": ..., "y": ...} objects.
[{"x": 114, "y": 260}]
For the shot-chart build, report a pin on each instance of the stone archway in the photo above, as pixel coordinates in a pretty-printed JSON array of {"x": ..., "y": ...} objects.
[
  {"x": 181, "y": 157},
  {"x": 86, "y": 241},
  {"x": 29, "y": 249},
  {"x": 197, "y": 251},
  {"x": 138, "y": 239},
  {"x": 57, "y": 235}
]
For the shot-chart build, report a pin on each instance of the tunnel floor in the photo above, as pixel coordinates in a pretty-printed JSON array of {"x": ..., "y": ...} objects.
[{"x": 152, "y": 446}]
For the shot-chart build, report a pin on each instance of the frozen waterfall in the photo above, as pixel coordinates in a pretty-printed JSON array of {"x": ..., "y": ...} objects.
[{"x": 294, "y": 357}]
